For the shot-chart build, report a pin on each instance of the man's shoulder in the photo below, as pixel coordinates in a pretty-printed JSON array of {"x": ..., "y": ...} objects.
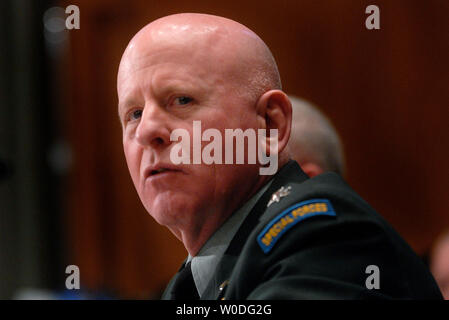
[
  {"x": 311, "y": 208},
  {"x": 296, "y": 215},
  {"x": 321, "y": 227},
  {"x": 326, "y": 196}
]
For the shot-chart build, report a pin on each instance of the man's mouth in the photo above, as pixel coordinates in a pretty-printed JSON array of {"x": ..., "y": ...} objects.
[
  {"x": 153, "y": 172},
  {"x": 159, "y": 171}
]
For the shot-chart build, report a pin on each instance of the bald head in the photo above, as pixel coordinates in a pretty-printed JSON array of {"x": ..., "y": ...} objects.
[
  {"x": 225, "y": 46},
  {"x": 314, "y": 142}
]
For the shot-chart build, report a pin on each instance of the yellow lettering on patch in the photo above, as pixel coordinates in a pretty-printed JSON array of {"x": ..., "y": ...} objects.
[
  {"x": 289, "y": 218},
  {"x": 308, "y": 208},
  {"x": 297, "y": 212},
  {"x": 284, "y": 222},
  {"x": 315, "y": 207},
  {"x": 266, "y": 239},
  {"x": 278, "y": 226},
  {"x": 321, "y": 207}
]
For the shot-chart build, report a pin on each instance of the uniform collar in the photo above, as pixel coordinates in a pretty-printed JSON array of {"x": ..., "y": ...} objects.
[
  {"x": 289, "y": 173},
  {"x": 205, "y": 262}
]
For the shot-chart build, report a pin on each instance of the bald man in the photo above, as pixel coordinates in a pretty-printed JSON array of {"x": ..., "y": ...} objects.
[
  {"x": 314, "y": 143},
  {"x": 252, "y": 229}
]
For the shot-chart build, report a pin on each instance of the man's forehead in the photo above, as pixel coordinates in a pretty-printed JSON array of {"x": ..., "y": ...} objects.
[
  {"x": 162, "y": 71},
  {"x": 210, "y": 40},
  {"x": 214, "y": 45},
  {"x": 199, "y": 54},
  {"x": 168, "y": 77},
  {"x": 180, "y": 41},
  {"x": 171, "y": 62}
]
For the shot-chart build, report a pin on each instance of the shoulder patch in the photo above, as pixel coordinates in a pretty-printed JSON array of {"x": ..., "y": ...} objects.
[{"x": 290, "y": 217}]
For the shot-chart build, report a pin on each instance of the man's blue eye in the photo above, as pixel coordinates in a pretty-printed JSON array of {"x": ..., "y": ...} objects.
[
  {"x": 183, "y": 100},
  {"x": 135, "y": 114}
]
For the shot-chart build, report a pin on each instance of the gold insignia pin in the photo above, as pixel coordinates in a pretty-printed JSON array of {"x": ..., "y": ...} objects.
[
  {"x": 222, "y": 289},
  {"x": 276, "y": 197}
]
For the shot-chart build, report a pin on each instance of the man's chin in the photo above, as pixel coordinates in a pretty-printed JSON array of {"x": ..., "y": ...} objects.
[
  {"x": 168, "y": 213},
  {"x": 163, "y": 219}
]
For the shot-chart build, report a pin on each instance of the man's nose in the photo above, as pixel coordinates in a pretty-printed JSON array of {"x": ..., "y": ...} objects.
[{"x": 153, "y": 129}]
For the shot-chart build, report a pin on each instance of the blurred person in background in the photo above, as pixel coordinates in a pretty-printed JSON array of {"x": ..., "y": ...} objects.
[{"x": 314, "y": 143}]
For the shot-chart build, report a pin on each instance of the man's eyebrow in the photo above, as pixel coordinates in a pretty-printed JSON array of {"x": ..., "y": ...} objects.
[
  {"x": 122, "y": 106},
  {"x": 126, "y": 104}
]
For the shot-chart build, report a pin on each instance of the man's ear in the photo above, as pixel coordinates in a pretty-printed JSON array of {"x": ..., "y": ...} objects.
[{"x": 274, "y": 110}]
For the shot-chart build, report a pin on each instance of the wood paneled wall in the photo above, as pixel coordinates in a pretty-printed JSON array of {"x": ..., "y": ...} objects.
[{"x": 385, "y": 90}]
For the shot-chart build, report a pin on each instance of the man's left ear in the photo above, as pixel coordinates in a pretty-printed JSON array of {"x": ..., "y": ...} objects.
[{"x": 275, "y": 112}]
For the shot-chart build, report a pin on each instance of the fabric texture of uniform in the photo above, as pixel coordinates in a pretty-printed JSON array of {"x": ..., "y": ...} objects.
[{"x": 184, "y": 287}]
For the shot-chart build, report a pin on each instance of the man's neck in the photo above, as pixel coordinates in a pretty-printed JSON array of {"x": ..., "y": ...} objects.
[{"x": 195, "y": 236}]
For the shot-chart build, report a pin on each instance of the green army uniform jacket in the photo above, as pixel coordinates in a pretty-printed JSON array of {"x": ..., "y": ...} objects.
[{"x": 317, "y": 240}]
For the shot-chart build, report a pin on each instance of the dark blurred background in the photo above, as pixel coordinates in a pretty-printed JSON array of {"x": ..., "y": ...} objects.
[{"x": 65, "y": 193}]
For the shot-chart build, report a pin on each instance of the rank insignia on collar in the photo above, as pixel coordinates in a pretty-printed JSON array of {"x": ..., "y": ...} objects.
[
  {"x": 276, "y": 197},
  {"x": 222, "y": 288}
]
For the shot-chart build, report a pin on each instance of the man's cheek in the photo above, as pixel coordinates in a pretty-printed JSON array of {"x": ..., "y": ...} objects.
[{"x": 133, "y": 164}]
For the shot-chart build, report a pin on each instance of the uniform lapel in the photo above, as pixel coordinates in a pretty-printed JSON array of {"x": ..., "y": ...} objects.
[
  {"x": 290, "y": 173},
  {"x": 222, "y": 273}
]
